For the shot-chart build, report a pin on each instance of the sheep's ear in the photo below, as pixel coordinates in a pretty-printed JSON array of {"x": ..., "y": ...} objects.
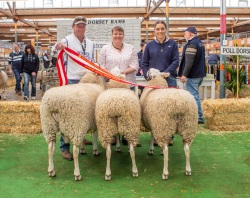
[{"x": 165, "y": 75}]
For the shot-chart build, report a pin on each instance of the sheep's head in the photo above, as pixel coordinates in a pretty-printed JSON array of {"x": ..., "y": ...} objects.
[
  {"x": 90, "y": 77},
  {"x": 114, "y": 84},
  {"x": 157, "y": 78},
  {"x": 152, "y": 73}
]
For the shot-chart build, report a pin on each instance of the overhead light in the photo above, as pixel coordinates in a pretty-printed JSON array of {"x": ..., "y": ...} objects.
[
  {"x": 52, "y": 29},
  {"x": 5, "y": 40},
  {"x": 13, "y": 30},
  {"x": 45, "y": 39},
  {"x": 182, "y": 28}
]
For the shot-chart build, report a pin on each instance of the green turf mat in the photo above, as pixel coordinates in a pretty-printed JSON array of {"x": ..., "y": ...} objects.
[{"x": 220, "y": 168}]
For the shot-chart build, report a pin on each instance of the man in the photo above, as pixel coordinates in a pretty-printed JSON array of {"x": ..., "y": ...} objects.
[
  {"x": 14, "y": 61},
  {"x": 213, "y": 59},
  {"x": 78, "y": 42},
  {"x": 46, "y": 59},
  {"x": 193, "y": 67}
]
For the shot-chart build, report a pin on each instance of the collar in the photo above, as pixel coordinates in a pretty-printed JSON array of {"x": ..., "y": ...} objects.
[
  {"x": 166, "y": 40},
  {"x": 17, "y": 52}
]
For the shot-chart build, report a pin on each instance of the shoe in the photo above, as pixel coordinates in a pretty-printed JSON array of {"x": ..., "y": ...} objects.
[
  {"x": 114, "y": 140},
  {"x": 19, "y": 93},
  {"x": 200, "y": 122},
  {"x": 171, "y": 142},
  {"x": 87, "y": 142},
  {"x": 33, "y": 98},
  {"x": 67, "y": 155},
  {"x": 155, "y": 144},
  {"x": 138, "y": 145},
  {"x": 124, "y": 141},
  {"x": 25, "y": 98}
]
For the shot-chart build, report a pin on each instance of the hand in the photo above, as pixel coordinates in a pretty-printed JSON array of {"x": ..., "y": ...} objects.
[
  {"x": 183, "y": 79},
  {"x": 10, "y": 71},
  {"x": 165, "y": 75},
  {"x": 33, "y": 73},
  {"x": 60, "y": 46},
  {"x": 21, "y": 74}
]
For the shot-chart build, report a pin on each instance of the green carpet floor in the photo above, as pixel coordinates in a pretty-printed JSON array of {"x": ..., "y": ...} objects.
[{"x": 220, "y": 168}]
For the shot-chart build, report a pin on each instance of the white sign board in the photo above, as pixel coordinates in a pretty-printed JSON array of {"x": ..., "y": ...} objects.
[
  {"x": 245, "y": 51},
  {"x": 99, "y": 31}
]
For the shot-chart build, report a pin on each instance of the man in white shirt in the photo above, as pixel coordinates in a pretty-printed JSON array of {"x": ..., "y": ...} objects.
[{"x": 78, "y": 42}]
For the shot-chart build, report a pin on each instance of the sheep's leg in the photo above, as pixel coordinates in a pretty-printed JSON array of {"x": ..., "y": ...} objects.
[
  {"x": 108, "y": 170},
  {"x": 187, "y": 153},
  {"x": 151, "y": 147},
  {"x": 51, "y": 151},
  {"x": 95, "y": 148},
  {"x": 77, "y": 174},
  {"x": 132, "y": 154},
  {"x": 82, "y": 148},
  {"x": 118, "y": 144},
  {"x": 165, "y": 168}
]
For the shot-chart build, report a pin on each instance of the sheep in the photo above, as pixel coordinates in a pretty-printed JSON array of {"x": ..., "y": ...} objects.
[
  {"x": 118, "y": 111},
  {"x": 70, "y": 109},
  {"x": 166, "y": 112},
  {"x": 3, "y": 83}
]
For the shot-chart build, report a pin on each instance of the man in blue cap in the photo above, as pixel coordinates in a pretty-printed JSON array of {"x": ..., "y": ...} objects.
[{"x": 192, "y": 68}]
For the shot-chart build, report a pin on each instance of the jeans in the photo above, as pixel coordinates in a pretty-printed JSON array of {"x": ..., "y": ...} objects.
[
  {"x": 171, "y": 81},
  {"x": 66, "y": 146},
  {"x": 18, "y": 79},
  {"x": 28, "y": 77},
  {"x": 192, "y": 85}
]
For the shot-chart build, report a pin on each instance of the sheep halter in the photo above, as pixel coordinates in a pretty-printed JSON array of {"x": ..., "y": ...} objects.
[{"x": 84, "y": 62}]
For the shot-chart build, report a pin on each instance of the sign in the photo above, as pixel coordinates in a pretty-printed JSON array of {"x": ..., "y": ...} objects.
[{"x": 245, "y": 51}]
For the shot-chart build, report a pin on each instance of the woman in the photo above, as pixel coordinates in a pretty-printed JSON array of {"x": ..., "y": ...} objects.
[
  {"x": 119, "y": 54},
  {"x": 29, "y": 69},
  {"x": 122, "y": 55},
  {"x": 162, "y": 54}
]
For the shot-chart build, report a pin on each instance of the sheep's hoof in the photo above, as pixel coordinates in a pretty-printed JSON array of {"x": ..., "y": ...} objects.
[
  {"x": 151, "y": 152},
  {"x": 0, "y": 97},
  {"x": 52, "y": 173},
  {"x": 164, "y": 176},
  {"x": 95, "y": 152},
  {"x": 107, "y": 177},
  {"x": 135, "y": 174},
  {"x": 78, "y": 177},
  {"x": 188, "y": 173},
  {"x": 118, "y": 149},
  {"x": 82, "y": 152}
]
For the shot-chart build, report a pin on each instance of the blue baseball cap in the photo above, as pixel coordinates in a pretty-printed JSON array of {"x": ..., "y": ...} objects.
[{"x": 191, "y": 29}]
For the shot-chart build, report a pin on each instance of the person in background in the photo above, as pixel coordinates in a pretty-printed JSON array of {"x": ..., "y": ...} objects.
[
  {"x": 29, "y": 69},
  {"x": 140, "y": 54},
  {"x": 140, "y": 73},
  {"x": 193, "y": 66},
  {"x": 46, "y": 59},
  {"x": 54, "y": 59},
  {"x": 213, "y": 59},
  {"x": 123, "y": 55},
  {"x": 78, "y": 42},
  {"x": 162, "y": 53},
  {"x": 14, "y": 66}
]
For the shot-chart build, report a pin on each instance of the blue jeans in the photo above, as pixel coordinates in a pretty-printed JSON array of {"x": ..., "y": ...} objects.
[
  {"x": 66, "y": 146},
  {"x": 192, "y": 85},
  {"x": 18, "y": 79},
  {"x": 171, "y": 80},
  {"x": 28, "y": 77}
]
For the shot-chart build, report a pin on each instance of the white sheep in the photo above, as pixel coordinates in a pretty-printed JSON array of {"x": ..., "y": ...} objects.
[
  {"x": 118, "y": 111},
  {"x": 166, "y": 112},
  {"x": 70, "y": 109},
  {"x": 3, "y": 83}
]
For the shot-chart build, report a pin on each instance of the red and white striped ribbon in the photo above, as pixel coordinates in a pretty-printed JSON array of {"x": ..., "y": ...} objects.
[{"x": 84, "y": 62}]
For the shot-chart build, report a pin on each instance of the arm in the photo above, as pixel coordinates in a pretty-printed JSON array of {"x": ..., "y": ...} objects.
[
  {"x": 22, "y": 65},
  {"x": 10, "y": 59},
  {"x": 175, "y": 60},
  {"x": 102, "y": 58},
  {"x": 133, "y": 63},
  {"x": 189, "y": 60},
  {"x": 37, "y": 63}
]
